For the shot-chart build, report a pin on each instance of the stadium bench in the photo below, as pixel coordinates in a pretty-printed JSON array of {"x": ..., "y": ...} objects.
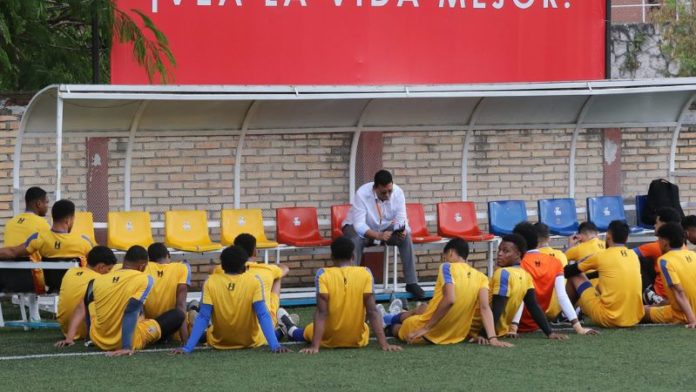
[
  {"x": 457, "y": 219},
  {"x": 504, "y": 215},
  {"x": 641, "y": 201},
  {"x": 84, "y": 225},
  {"x": 188, "y": 231},
  {"x": 560, "y": 215},
  {"x": 129, "y": 228},
  {"x": 602, "y": 210},
  {"x": 238, "y": 221},
  {"x": 419, "y": 229}
]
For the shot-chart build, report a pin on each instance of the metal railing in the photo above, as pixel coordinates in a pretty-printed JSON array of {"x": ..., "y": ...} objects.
[{"x": 646, "y": 6}]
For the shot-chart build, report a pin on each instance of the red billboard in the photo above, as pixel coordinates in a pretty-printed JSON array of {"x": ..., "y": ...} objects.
[{"x": 373, "y": 41}]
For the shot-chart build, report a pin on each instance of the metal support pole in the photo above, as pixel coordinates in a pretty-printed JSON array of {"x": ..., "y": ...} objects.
[
  {"x": 465, "y": 149},
  {"x": 59, "y": 145},
  {"x": 135, "y": 124},
  {"x": 574, "y": 145},
  {"x": 354, "y": 151},
  {"x": 238, "y": 156},
  {"x": 675, "y": 139}
]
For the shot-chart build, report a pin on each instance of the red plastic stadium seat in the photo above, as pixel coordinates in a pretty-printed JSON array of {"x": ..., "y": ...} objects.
[
  {"x": 419, "y": 229},
  {"x": 457, "y": 219},
  {"x": 338, "y": 215},
  {"x": 299, "y": 226}
]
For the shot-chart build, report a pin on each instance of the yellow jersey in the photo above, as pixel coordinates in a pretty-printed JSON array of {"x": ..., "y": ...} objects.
[
  {"x": 512, "y": 283},
  {"x": 455, "y": 326},
  {"x": 72, "y": 293},
  {"x": 555, "y": 253},
  {"x": 111, "y": 294},
  {"x": 267, "y": 272},
  {"x": 166, "y": 277},
  {"x": 619, "y": 284},
  {"x": 679, "y": 267},
  {"x": 584, "y": 250},
  {"x": 20, "y": 227},
  {"x": 54, "y": 245},
  {"x": 233, "y": 323},
  {"x": 345, "y": 288}
]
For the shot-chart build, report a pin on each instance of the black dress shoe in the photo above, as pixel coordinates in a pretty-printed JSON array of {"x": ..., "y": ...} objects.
[{"x": 415, "y": 290}]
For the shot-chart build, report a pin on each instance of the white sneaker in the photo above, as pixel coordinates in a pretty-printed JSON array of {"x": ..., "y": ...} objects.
[
  {"x": 287, "y": 321},
  {"x": 396, "y": 306},
  {"x": 382, "y": 311}
]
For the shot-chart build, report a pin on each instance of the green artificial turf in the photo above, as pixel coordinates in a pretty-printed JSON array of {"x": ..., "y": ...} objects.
[{"x": 643, "y": 358}]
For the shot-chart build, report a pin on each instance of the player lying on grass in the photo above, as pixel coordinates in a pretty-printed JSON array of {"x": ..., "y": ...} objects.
[
  {"x": 171, "y": 284},
  {"x": 616, "y": 301},
  {"x": 57, "y": 244},
  {"x": 654, "y": 292},
  {"x": 271, "y": 275},
  {"x": 100, "y": 260},
  {"x": 678, "y": 268},
  {"x": 115, "y": 303},
  {"x": 345, "y": 294},
  {"x": 512, "y": 286},
  {"x": 547, "y": 274},
  {"x": 233, "y": 309},
  {"x": 447, "y": 318}
]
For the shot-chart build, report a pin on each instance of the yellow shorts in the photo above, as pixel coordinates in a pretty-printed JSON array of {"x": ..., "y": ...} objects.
[
  {"x": 592, "y": 306},
  {"x": 360, "y": 339},
  {"x": 666, "y": 315},
  {"x": 146, "y": 332},
  {"x": 410, "y": 325},
  {"x": 273, "y": 306}
]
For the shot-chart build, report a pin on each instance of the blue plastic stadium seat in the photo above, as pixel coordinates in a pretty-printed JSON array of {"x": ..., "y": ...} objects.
[
  {"x": 503, "y": 215},
  {"x": 641, "y": 201},
  {"x": 559, "y": 215},
  {"x": 603, "y": 210}
]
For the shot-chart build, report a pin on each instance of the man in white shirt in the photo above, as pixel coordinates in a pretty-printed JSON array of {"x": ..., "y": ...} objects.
[{"x": 378, "y": 215}]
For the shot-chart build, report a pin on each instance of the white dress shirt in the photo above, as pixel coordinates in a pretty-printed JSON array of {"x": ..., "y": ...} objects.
[{"x": 370, "y": 213}]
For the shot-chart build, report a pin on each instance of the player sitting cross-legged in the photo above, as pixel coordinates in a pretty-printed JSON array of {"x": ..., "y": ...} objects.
[
  {"x": 344, "y": 296},
  {"x": 233, "y": 309},
  {"x": 459, "y": 290},
  {"x": 115, "y": 303}
]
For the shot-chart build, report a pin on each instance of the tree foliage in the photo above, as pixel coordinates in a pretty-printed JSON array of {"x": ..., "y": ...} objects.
[
  {"x": 677, "y": 21},
  {"x": 50, "y": 41}
]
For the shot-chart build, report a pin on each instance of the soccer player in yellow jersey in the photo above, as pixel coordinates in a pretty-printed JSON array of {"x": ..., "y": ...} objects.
[
  {"x": 344, "y": 296},
  {"x": 459, "y": 289},
  {"x": 233, "y": 310},
  {"x": 115, "y": 303},
  {"x": 17, "y": 230},
  {"x": 617, "y": 301},
  {"x": 100, "y": 260},
  {"x": 271, "y": 275},
  {"x": 512, "y": 286},
  {"x": 678, "y": 268},
  {"x": 171, "y": 283},
  {"x": 585, "y": 243},
  {"x": 54, "y": 244}
]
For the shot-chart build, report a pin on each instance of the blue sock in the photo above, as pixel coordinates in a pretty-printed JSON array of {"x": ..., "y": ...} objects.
[
  {"x": 391, "y": 319},
  {"x": 298, "y": 335}
]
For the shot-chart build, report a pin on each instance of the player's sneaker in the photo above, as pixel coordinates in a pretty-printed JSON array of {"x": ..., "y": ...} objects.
[
  {"x": 381, "y": 310},
  {"x": 396, "y": 306},
  {"x": 193, "y": 305},
  {"x": 88, "y": 343},
  {"x": 650, "y": 297},
  {"x": 287, "y": 321}
]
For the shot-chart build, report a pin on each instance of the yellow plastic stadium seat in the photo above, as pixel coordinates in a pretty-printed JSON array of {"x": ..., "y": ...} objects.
[
  {"x": 188, "y": 231},
  {"x": 84, "y": 225},
  {"x": 236, "y": 222},
  {"x": 129, "y": 228}
]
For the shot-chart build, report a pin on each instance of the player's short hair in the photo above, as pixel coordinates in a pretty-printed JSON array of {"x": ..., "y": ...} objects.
[
  {"x": 342, "y": 249},
  {"x": 588, "y": 227},
  {"x": 101, "y": 255},
  {"x": 136, "y": 254},
  {"x": 459, "y": 245},
  {"x": 518, "y": 241},
  {"x": 673, "y": 233},
  {"x": 689, "y": 222},
  {"x": 668, "y": 214},
  {"x": 62, "y": 209},
  {"x": 542, "y": 230},
  {"x": 34, "y": 194},
  {"x": 233, "y": 258},
  {"x": 383, "y": 178},
  {"x": 247, "y": 242},
  {"x": 528, "y": 232},
  {"x": 619, "y": 231},
  {"x": 157, "y": 251}
]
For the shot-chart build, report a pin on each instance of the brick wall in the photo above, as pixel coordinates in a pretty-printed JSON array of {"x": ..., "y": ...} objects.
[{"x": 312, "y": 170}]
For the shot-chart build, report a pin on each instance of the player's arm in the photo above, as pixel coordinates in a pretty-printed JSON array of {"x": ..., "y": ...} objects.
[
  {"x": 376, "y": 323},
  {"x": 129, "y": 322},
  {"x": 14, "y": 252},
  {"x": 320, "y": 316},
  {"x": 568, "y": 309},
  {"x": 266, "y": 324},
  {"x": 442, "y": 308},
  {"x": 200, "y": 325},
  {"x": 512, "y": 333},
  {"x": 539, "y": 317},
  {"x": 77, "y": 318},
  {"x": 586, "y": 264},
  {"x": 684, "y": 305},
  {"x": 488, "y": 320},
  {"x": 181, "y": 293}
]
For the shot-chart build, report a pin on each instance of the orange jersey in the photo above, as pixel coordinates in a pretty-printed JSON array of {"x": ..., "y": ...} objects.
[
  {"x": 653, "y": 252},
  {"x": 544, "y": 270}
]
